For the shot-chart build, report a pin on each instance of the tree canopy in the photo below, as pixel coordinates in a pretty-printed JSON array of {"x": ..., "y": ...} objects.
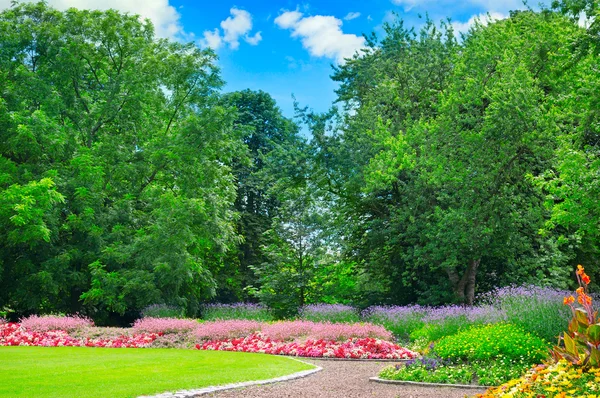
[{"x": 452, "y": 164}]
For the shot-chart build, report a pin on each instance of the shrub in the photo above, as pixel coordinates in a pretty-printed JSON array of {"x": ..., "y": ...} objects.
[
  {"x": 491, "y": 342},
  {"x": 247, "y": 311},
  {"x": 164, "y": 325},
  {"x": 335, "y": 313},
  {"x": 537, "y": 310},
  {"x": 45, "y": 323},
  {"x": 227, "y": 329},
  {"x": 162, "y": 311}
]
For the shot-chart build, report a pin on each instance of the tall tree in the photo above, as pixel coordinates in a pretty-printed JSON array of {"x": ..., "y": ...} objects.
[
  {"x": 128, "y": 129},
  {"x": 266, "y": 134}
]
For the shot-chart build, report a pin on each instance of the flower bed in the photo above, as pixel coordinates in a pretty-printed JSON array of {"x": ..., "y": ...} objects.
[
  {"x": 561, "y": 379},
  {"x": 14, "y": 334},
  {"x": 296, "y": 338},
  {"x": 354, "y": 348}
]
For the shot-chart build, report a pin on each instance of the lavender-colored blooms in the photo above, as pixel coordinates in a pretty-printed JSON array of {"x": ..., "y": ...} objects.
[
  {"x": 329, "y": 312},
  {"x": 480, "y": 314},
  {"x": 45, "y": 323},
  {"x": 162, "y": 311},
  {"x": 248, "y": 311},
  {"x": 394, "y": 312}
]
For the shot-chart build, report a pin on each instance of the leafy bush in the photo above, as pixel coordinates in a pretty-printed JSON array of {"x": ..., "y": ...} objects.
[
  {"x": 537, "y": 310},
  {"x": 162, "y": 311},
  {"x": 491, "y": 342},
  {"x": 164, "y": 325},
  {"x": 45, "y": 323},
  {"x": 247, "y": 311},
  {"x": 335, "y": 313}
]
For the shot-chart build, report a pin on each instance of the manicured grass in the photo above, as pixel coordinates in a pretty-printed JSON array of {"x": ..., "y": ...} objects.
[{"x": 44, "y": 372}]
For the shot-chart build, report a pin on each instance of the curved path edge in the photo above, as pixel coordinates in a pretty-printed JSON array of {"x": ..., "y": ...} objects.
[
  {"x": 422, "y": 384},
  {"x": 212, "y": 389}
]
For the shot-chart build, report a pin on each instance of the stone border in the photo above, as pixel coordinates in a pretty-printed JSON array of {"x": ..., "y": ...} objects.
[
  {"x": 211, "y": 389},
  {"x": 422, "y": 384},
  {"x": 351, "y": 359}
]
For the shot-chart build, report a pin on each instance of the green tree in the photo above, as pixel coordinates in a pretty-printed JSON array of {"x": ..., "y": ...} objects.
[
  {"x": 129, "y": 129},
  {"x": 266, "y": 134}
]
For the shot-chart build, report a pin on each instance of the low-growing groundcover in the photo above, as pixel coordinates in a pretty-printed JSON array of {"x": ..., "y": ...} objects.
[
  {"x": 484, "y": 355},
  {"x": 81, "y": 372}
]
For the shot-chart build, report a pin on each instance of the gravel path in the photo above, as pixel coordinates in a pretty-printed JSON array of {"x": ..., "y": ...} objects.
[{"x": 343, "y": 379}]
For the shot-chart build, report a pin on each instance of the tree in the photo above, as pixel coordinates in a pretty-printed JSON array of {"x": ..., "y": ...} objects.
[
  {"x": 128, "y": 128},
  {"x": 265, "y": 134}
]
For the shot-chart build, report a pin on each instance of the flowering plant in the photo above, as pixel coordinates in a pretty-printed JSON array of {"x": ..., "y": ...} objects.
[
  {"x": 561, "y": 379},
  {"x": 582, "y": 341},
  {"x": 13, "y": 334},
  {"x": 164, "y": 325},
  {"x": 45, "y": 323},
  {"x": 354, "y": 348}
]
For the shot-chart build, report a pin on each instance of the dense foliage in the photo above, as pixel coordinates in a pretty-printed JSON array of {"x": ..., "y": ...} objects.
[{"x": 130, "y": 184}]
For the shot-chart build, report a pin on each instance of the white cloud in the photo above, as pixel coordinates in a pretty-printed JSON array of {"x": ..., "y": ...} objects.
[
  {"x": 484, "y": 19},
  {"x": 212, "y": 39},
  {"x": 351, "y": 15},
  {"x": 163, "y": 15},
  {"x": 288, "y": 19},
  {"x": 253, "y": 40},
  {"x": 236, "y": 26},
  {"x": 321, "y": 35}
]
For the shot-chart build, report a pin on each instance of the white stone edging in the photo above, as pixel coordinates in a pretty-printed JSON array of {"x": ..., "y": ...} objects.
[
  {"x": 211, "y": 389},
  {"x": 352, "y": 359},
  {"x": 423, "y": 384}
]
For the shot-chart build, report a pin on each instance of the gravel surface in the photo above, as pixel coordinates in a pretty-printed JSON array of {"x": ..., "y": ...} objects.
[{"x": 343, "y": 379}]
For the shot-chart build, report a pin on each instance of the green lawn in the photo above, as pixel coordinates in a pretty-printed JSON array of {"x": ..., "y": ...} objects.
[{"x": 39, "y": 372}]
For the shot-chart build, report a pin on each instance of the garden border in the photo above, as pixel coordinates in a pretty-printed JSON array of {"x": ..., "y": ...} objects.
[
  {"x": 349, "y": 359},
  {"x": 423, "y": 384},
  {"x": 231, "y": 386}
]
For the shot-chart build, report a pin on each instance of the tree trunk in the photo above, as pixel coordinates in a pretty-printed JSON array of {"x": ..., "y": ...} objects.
[{"x": 464, "y": 286}]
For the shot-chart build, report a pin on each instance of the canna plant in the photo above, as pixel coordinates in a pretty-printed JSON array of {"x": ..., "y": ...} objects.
[{"x": 582, "y": 341}]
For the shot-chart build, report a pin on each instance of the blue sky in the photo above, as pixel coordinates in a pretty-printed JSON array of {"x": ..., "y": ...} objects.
[{"x": 287, "y": 47}]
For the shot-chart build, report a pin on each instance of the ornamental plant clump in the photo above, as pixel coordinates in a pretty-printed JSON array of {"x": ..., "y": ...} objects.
[
  {"x": 490, "y": 342},
  {"x": 356, "y": 348},
  {"x": 227, "y": 329},
  {"x": 164, "y": 325},
  {"x": 561, "y": 379},
  {"x": 13, "y": 334},
  {"x": 45, "y": 323},
  {"x": 582, "y": 341},
  {"x": 289, "y": 330}
]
